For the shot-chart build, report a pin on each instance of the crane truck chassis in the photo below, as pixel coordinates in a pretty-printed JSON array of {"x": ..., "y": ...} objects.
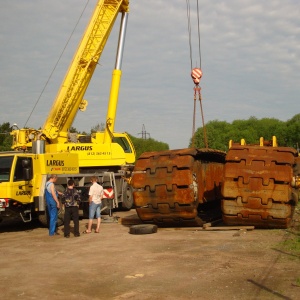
[
  {"x": 23, "y": 177},
  {"x": 249, "y": 185}
]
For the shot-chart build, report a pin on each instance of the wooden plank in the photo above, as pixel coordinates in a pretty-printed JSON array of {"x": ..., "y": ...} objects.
[
  {"x": 180, "y": 228},
  {"x": 230, "y": 228}
]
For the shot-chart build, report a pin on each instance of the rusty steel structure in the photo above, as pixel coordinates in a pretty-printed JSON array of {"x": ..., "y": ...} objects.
[
  {"x": 260, "y": 185},
  {"x": 176, "y": 186},
  {"x": 249, "y": 185}
]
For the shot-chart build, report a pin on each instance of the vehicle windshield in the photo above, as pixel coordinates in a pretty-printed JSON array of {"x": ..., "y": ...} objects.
[
  {"x": 5, "y": 167},
  {"x": 123, "y": 143}
]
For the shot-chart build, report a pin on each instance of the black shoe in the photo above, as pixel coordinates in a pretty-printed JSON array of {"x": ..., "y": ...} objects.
[
  {"x": 67, "y": 236},
  {"x": 77, "y": 235}
]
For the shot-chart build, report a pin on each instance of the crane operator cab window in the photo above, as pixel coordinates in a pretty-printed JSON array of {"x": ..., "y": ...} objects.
[{"x": 123, "y": 143}]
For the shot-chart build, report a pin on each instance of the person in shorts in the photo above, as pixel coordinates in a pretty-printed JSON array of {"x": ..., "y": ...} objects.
[{"x": 95, "y": 197}]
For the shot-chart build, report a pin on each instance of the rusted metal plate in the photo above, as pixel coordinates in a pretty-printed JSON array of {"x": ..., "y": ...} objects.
[
  {"x": 162, "y": 183},
  {"x": 169, "y": 185},
  {"x": 210, "y": 181},
  {"x": 271, "y": 209},
  {"x": 166, "y": 214},
  {"x": 258, "y": 169},
  {"x": 161, "y": 176},
  {"x": 257, "y": 221},
  {"x": 267, "y": 154},
  {"x": 169, "y": 153},
  {"x": 257, "y": 186},
  {"x": 162, "y": 195}
]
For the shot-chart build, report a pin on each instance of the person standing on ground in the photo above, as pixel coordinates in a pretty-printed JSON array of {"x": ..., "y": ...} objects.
[
  {"x": 95, "y": 197},
  {"x": 71, "y": 201},
  {"x": 52, "y": 203}
]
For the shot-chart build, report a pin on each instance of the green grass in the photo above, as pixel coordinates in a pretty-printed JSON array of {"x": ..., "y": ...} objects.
[{"x": 291, "y": 244}]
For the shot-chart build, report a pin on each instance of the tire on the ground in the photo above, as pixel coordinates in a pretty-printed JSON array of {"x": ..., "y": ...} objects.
[{"x": 143, "y": 229}]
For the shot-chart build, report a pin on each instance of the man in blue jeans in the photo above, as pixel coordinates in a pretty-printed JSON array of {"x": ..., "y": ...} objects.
[
  {"x": 52, "y": 203},
  {"x": 95, "y": 197}
]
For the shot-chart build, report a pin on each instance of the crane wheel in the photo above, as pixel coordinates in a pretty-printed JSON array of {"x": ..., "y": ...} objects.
[
  {"x": 257, "y": 187},
  {"x": 127, "y": 196}
]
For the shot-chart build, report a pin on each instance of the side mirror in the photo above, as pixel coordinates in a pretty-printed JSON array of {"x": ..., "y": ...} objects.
[
  {"x": 27, "y": 171},
  {"x": 27, "y": 174}
]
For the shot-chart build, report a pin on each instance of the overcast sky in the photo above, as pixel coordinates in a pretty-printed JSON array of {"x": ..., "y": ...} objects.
[{"x": 250, "y": 58}]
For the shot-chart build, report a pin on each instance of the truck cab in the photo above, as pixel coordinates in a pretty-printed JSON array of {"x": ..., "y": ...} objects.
[{"x": 22, "y": 181}]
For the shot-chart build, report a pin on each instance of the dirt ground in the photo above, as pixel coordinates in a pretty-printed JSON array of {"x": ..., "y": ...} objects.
[{"x": 182, "y": 263}]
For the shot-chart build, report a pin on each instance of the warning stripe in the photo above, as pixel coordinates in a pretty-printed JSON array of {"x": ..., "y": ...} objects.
[{"x": 108, "y": 193}]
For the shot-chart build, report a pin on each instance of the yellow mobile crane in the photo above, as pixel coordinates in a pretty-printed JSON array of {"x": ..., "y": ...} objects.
[{"x": 53, "y": 149}]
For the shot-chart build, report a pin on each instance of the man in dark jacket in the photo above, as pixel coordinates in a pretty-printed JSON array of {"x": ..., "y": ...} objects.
[{"x": 71, "y": 200}]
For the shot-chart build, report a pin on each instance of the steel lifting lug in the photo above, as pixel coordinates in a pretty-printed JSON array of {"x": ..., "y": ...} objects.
[{"x": 296, "y": 182}]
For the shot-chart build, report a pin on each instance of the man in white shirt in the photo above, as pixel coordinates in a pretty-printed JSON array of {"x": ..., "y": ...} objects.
[{"x": 95, "y": 197}]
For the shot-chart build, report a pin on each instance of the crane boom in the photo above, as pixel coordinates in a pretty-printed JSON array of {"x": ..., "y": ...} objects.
[{"x": 70, "y": 95}]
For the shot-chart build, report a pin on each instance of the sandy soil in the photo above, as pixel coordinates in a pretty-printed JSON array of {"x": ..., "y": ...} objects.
[{"x": 186, "y": 263}]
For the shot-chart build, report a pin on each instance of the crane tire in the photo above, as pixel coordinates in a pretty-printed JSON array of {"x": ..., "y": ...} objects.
[
  {"x": 143, "y": 229},
  {"x": 127, "y": 196}
]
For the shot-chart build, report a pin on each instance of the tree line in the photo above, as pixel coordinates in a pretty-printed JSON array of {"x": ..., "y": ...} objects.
[{"x": 219, "y": 133}]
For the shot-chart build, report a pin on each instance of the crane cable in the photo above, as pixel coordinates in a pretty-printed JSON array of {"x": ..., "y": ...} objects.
[
  {"x": 199, "y": 33},
  {"x": 188, "y": 13},
  {"x": 59, "y": 58},
  {"x": 196, "y": 73}
]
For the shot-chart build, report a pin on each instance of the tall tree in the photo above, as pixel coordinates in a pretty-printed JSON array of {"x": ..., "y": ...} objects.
[
  {"x": 5, "y": 137},
  {"x": 98, "y": 127},
  {"x": 293, "y": 132}
]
